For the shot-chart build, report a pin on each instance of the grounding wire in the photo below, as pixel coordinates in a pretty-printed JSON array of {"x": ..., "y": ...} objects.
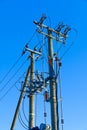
[
  {"x": 5, "y": 76},
  {"x": 22, "y": 122}
]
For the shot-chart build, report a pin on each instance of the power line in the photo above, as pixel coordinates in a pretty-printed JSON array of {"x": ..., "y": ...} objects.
[
  {"x": 9, "y": 89},
  {"x": 22, "y": 122},
  {"x": 10, "y": 70},
  {"x": 61, "y": 103},
  {"x": 67, "y": 50},
  {"x": 13, "y": 76},
  {"x": 70, "y": 44},
  {"x": 24, "y": 110},
  {"x": 5, "y": 76},
  {"x": 32, "y": 36},
  {"x": 18, "y": 81}
]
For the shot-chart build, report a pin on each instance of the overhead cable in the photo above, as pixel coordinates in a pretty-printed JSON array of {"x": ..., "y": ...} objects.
[
  {"x": 22, "y": 122},
  {"x": 24, "y": 110},
  {"x": 18, "y": 81},
  {"x": 61, "y": 102},
  {"x": 12, "y": 76},
  {"x": 32, "y": 36},
  {"x": 9, "y": 89},
  {"x": 71, "y": 44},
  {"x": 5, "y": 76}
]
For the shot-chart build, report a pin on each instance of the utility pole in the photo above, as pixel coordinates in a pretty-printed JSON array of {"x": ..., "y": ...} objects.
[
  {"x": 20, "y": 101},
  {"x": 59, "y": 34},
  {"x": 31, "y": 96},
  {"x": 53, "y": 89},
  {"x": 53, "y": 93},
  {"x": 30, "y": 73}
]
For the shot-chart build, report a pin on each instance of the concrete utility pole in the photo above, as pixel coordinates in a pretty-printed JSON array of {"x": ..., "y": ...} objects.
[
  {"x": 20, "y": 100},
  {"x": 53, "y": 84},
  {"x": 31, "y": 96},
  {"x": 53, "y": 93}
]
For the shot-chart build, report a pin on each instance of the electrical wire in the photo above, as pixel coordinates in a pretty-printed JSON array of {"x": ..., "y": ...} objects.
[
  {"x": 6, "y": 93},
  {"x": 44, "y": 55},
  {"x": 22, "y": 122},
  {"x": 49, "y": 21},
  {"x": 58, "y": 47},
  {"x": 38, "y": 38},
  {"x": 18, "y": 81},
  {"x": 12, "y": 68},
  {"x": 5, "y": 76},
  {"x": 43, "y": 66},
  {"x": 32, "y": 36},
  {"x": 61, "y": 103},
  {"x": 41, "y": 47},
  {"x": 29, "y": 41},
  {"x": 17, "y": 88},
  {"x": 12, "y": 76},
  {"x": 9, "y": 88},
  {"x": 71, "y": 44},
  {"x": 39, "y": 43},
  {"x": 24, "y": 110}
]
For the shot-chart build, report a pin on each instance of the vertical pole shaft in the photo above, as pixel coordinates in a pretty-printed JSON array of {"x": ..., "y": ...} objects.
[
  {"x": 31, "y": 99},
  {"x": 53, "y": 93},
  {"x": 20, "y": 101}
]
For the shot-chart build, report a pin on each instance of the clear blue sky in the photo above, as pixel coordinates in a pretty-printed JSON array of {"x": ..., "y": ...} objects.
[{"x": 16, "y": 28}]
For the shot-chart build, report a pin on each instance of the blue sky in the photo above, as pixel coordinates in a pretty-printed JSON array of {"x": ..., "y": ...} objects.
[{"x": 16, "y": 29}]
